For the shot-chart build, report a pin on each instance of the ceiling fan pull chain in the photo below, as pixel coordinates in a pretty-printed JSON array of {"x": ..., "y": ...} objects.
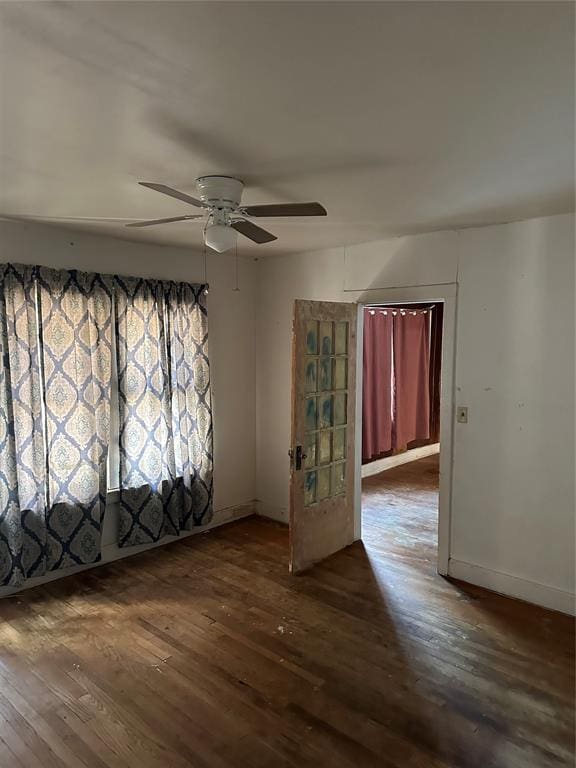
[
  {"x": 236, "y": 288},
  {"x": 205, "y": 261}
]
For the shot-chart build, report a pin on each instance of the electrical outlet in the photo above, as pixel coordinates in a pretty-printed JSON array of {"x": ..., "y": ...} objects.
[{"x": 462, "y": 414}]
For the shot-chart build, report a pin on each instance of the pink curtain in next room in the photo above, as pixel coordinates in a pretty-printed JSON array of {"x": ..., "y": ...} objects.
[
  {"x": 377, "y": 384},
  {"x": 411, "y": 374}
]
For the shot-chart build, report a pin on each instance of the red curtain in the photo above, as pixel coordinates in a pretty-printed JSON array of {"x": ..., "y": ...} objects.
[
  {"x": 377, "y": 384},
  {"x": 411, "y": 375},
  {"x": 401, "y": 383}
]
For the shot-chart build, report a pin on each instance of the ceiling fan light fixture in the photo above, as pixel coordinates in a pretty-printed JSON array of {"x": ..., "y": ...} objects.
[{"x": 220, "y": 237}]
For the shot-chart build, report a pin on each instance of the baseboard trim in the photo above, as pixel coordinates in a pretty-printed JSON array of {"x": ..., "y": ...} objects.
[
  {"x": 513, "y": 586},
  {"x": 381, "y": 465},
  {"x": 112, "y": 552}
]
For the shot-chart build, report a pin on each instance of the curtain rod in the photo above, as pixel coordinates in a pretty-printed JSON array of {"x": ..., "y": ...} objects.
[
  {"x": 398, "y": 308},
  {"x": 398, "y": 304}
]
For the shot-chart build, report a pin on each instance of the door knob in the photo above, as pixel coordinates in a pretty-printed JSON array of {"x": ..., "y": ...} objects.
[{"x": 296, "y": 457}]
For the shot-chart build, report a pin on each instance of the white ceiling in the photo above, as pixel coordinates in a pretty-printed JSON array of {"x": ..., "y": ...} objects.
[{"x": 398, "y": 117}]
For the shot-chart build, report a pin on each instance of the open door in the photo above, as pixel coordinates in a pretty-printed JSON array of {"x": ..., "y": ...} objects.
[{"x": 323, "y": 415}]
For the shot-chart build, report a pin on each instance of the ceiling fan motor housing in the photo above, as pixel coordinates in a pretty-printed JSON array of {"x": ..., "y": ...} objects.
[{"x": 220, "y": 192}]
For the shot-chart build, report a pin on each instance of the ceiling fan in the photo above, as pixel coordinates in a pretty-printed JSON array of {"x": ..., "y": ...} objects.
[{"x": 220, "y": 198}]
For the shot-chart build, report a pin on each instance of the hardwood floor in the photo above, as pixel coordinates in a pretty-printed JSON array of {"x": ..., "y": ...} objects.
[{"x": 206, "y": 653}]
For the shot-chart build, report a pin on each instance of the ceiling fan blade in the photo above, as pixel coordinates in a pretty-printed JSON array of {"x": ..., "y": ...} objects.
[
  {"x": 285, "y": 209},
  {"x": 32, "y": 217},
  {"x": 162, "y": 221},
  {"x": 172, "y": 193},
  {"x": 253, "y": 232}
]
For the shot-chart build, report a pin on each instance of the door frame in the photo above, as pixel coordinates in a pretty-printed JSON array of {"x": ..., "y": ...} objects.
[{"x": 447, "y": 294}]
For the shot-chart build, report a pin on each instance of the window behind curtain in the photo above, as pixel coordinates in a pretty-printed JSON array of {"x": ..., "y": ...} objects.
[
  {"x": 60, "y": 446},
  {"x": 165, "y": 412}
]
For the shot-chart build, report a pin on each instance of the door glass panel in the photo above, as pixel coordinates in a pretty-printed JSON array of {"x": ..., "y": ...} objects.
[
  {"x": 341, "y": 339},
  {"x": 311, "y": 376},
  {"x": 311, "y": 414},
  {"x": 312, "y": 337},
  {"x": 340, "y": 372},
  {"x": 310, "y": 450},
  {"x": 326, "y": 416},
  {"x": 340, "y": 409},
  {"x": 323, "y": 490},
  {"x": 339, "y": 444},
  {"x": 309, "y": 488},
  {"x": 325, "y": 373},
  {"x": 325, "y": 446},
  {"x": 338, "y": 478},
  {"x": 326, "y": 344},
  {"x": 326, "y": 369}
]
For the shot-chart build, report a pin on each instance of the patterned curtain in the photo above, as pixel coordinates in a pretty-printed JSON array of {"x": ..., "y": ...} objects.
[
  {"x": 191, "y": 406},
  {"x": 75, "y": 334},
  {"x": 55, "y": 334},
  {"x": 22, "y": 482},
  {"x": 165, "y": 409},
  {"x": 55, "y": 387}
]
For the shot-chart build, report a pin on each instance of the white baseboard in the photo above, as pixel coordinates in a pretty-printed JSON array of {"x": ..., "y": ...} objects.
[
  {"x": 381, "y": 465},
  {"x": 112, "y": 552},
  {"x": 512, "y": 586}
]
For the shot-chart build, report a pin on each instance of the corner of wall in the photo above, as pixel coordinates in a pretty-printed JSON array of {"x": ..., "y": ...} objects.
[{"x": 280, "y": 514}]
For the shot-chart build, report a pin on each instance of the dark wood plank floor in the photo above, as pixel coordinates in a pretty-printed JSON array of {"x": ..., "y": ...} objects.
[{"x": 207, "y": 653}]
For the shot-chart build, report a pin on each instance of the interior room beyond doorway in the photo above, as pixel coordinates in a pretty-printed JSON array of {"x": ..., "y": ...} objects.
[{"x": 402, "y": 351}]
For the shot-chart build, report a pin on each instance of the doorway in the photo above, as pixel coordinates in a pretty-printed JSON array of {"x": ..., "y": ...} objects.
[
  {"x": 326, "y": 445},
  {"x": 435, "y": 467},
  {"x": 402, "y": 352}
]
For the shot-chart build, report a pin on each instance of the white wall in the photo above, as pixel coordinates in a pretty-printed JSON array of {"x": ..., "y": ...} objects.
[
  {"x": 513, "y": 483},
  {"x": 332, "y": 275},
  {"x": 513, "y": 492},
  {"x": 513, "y": 473},
  {"x": 231, "y": 321}
]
